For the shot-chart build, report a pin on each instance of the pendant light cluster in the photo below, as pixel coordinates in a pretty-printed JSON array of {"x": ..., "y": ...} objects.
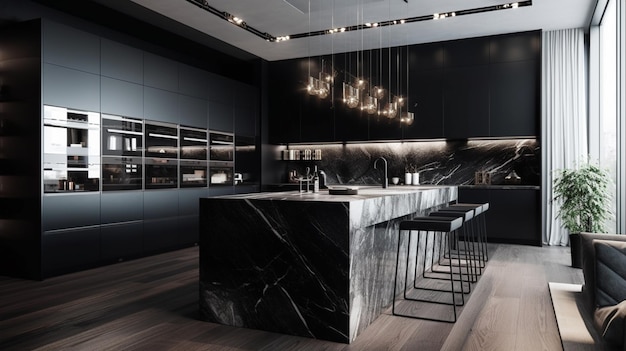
[{"x": 368, "y": 94}]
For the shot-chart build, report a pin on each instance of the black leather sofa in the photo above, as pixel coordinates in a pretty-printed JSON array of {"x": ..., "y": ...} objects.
[{"x": 604, "y": 292}]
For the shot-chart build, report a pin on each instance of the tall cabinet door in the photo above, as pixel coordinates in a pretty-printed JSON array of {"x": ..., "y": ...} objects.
[
  {"x": 426, "y": 103},
  {"x": 514, "y": 108},
  {"x": 466, "y": 102}
]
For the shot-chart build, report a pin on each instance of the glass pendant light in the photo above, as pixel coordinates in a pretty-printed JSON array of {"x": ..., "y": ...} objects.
[
  {"x": 312, "y": 87},
  {"x": 370, "y": 104},
  {"x": 323, "y": 87},
  {"x": 350, "y": 95},
  {"x": 407, "y": 118},
  {"x": 391, "y": 110}
]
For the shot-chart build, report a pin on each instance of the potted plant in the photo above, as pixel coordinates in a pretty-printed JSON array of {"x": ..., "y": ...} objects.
[{"x": 585, "y": 199}]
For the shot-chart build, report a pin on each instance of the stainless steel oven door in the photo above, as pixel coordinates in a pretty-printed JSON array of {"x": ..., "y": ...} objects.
[
  {"x": 193, "y": 173},
  {"x": 122, "y": 173},
  {"x": 221, "y": 147},
  {"x": 161, "y": 140},
  {"x": 161, "y": 173},
  {"x": 221, "y": 173},
  {"x": 121, "y": 136}
]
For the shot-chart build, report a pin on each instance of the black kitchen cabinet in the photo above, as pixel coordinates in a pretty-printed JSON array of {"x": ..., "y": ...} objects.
[
  {"x": 467, "y": 88},
  {"x": 246, "y": 110},
  {"x": 52, "y": 66},
  {"x": 383, "y": 128},
  {"x": 514, "y": 215},
  {"x": 515, "y": 47},
  {"x": 316, "y": 119},
  {"x": 286, "y": 101},
  {"x": 514, "y": 109},
  {"x": 466, "y": 52},
  {"x": 426, "y": 102},
  {"x": 121, "y": 62},
  {"x": 426, "y": 56},
  {"x": 221, "y": 117},
  {"x": 466, "y": 102},
  {"x": 350, "y": 125},
  {"x": 65, "y": 251}
]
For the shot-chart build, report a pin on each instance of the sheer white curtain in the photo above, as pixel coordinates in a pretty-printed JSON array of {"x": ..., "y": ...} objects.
[{"x": 564, "y": 117}]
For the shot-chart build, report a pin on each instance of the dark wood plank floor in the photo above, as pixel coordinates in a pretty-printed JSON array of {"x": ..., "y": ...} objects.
[{"x": 152, "y": 304}]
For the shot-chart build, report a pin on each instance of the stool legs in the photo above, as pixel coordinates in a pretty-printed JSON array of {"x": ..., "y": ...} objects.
[
  {"x": 452, "y": 290},
  {"x": 447, "y": 239}
]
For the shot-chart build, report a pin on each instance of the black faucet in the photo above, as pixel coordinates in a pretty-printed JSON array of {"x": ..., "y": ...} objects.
[{"x": 385, "y": 181}]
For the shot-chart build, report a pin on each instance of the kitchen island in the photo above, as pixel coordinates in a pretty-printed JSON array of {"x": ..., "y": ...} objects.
[{"x": 307, "y": 264}]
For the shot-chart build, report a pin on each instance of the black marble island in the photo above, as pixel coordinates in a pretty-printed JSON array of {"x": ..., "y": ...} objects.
[{"x": 310, "y": 264}]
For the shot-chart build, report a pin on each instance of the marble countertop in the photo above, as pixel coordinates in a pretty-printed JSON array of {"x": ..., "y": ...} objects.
[{"x": 364, "y": 192}]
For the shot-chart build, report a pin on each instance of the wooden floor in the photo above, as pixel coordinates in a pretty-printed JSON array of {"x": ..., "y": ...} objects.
[{"x": 152, "y": 304}]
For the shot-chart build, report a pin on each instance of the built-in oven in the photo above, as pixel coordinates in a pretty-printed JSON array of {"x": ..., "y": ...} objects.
[
  {"x": 161, "y": 173},
  {"x": 121, "y": 136},
  {"x": 161, "y": 140},
  {"x": 221, "y": 147},
  {"x": 193, "y": 143},
  {"x": 121, "y": 173},
  {"x": 221, "y": 173},
  {"x": 193, "y": 173},
  {"x": 71, "y": 150}
]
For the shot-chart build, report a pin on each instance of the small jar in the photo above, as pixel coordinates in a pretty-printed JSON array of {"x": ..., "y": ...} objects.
[
  {"x": 408, "y": 178},
  {"x": 416, "y": 178}
]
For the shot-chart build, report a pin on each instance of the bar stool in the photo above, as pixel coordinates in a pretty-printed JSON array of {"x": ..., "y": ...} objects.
[
  {"x": 470, "y": 266},
  {"x": 473, "y": 241},
  {"x": 442, "y": 225},
  {"x": 481, "y": 225}
]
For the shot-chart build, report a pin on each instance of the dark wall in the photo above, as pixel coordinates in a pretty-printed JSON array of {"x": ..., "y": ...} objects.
[
  {"x": 20, "y": 177},
  {"x": 477, "y": 87}
]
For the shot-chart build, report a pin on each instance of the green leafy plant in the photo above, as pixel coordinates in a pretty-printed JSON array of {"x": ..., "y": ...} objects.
[{"x": 584, "y": 197}]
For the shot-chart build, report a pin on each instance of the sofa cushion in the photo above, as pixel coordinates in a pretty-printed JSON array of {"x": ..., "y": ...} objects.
[
  {"x": 589, "y": 264},
  {"x": 610, "y": 323},
  {"x": 610, "y": 272}
]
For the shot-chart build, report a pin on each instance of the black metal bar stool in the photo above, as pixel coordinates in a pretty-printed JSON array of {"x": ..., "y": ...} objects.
[
  {"x": 481, "y": 225},
  {"x": 468, "y": 263},
  {"x": 471, "y": 243},
  {"x": 442, "y": 225}
]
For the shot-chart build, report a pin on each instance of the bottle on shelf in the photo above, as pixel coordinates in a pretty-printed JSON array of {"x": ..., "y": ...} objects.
[{"x": 316, "y": 181}]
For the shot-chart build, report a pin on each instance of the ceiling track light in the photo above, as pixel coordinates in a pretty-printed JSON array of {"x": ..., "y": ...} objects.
[{"x": 203, "y": 4}]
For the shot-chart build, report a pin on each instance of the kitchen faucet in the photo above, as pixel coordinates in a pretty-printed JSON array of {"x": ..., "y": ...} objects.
[{"x": 385, "y": 181}]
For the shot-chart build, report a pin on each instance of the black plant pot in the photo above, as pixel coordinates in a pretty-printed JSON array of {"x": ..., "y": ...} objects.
[{"x": 576, "y": 250}]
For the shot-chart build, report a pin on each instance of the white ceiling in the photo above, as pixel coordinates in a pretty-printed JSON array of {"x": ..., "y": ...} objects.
[{"x": 279, "y": 18}]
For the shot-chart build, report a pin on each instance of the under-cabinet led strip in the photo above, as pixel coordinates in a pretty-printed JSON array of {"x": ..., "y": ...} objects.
[
  {"x": 123, "y": 131},
  {"x": 221, "y": 142},
  {"x": 162, "y": 136},
  {"x": 195, "y": 139}
]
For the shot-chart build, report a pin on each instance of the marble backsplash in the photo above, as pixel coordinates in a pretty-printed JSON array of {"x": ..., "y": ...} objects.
[{"x": 438, "y": 162}]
